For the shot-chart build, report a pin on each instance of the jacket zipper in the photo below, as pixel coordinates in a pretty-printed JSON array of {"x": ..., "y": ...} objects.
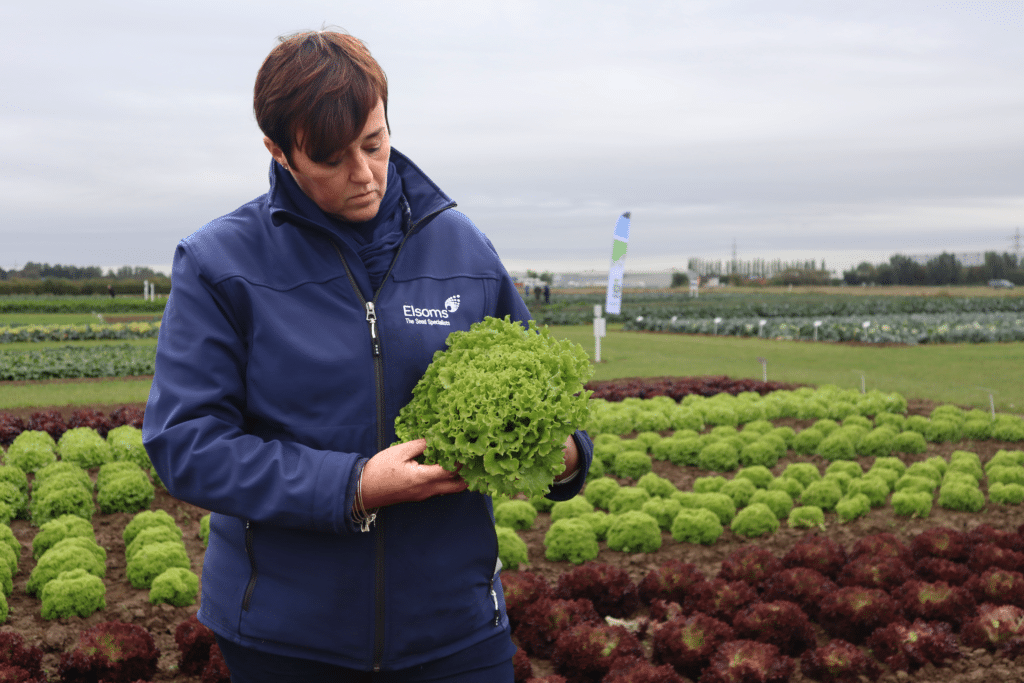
[
  {"x": 375, "y": 519},
  {"x": 378, "y": 370}
]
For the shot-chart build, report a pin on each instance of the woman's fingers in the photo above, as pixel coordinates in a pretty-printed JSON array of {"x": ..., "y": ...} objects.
[
  {"x": 406, "y": 450},
  {"x": 393, "y": 476}
]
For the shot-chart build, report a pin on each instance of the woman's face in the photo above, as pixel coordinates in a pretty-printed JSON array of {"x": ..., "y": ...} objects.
[{"x": 351, "y": 184}]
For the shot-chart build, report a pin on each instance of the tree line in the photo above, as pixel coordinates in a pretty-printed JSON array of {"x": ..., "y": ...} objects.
[
  {"x": 943, "y": 269},
  {"x": 42, "y": 278},
  {"x": 44, "y": 271}
]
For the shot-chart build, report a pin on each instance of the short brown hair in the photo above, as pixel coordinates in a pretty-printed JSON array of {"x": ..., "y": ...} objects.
[{"x": 321, "y": 85}]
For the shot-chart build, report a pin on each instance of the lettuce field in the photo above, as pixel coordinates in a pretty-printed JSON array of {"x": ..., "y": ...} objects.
[
  {"x": 730, "y": 530},
  {"x": 707, "y": 518}
]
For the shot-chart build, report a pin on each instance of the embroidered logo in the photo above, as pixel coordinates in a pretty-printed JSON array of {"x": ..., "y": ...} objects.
[{"x": 432, "y": 316}]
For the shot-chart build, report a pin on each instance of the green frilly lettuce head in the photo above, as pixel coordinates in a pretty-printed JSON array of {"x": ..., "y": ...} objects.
[{"x": 498, "y": 405}]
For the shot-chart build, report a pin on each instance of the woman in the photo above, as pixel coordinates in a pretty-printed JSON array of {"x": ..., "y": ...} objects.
[{"x": 291, "y": 339}]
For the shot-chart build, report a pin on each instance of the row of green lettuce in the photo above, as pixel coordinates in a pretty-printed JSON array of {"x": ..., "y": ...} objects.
[
  {"x": 72, "y": 361},
  {"x": 61, "y": 484},
  {"x": 753, "y": 503},
  {"x": 931, "y": 328},
  {"x": 695, "y": 413},
  {"x": 70, "y": 565},
  {"x": 751, "y": 500},
  {"x": 88, "y": 332},
  {"x": 577, "y": 309},
  {"x": 61, "y": 501}
]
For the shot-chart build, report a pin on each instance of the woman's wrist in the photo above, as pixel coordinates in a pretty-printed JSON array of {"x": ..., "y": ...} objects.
[{"x": 572, "y": 461}]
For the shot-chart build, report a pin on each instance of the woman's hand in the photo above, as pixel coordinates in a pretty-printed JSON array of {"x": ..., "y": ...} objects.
[{"x": 393, "y": 476}]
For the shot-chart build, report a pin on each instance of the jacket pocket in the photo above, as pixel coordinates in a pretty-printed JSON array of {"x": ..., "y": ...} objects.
[{"x": 307, "y": 591}]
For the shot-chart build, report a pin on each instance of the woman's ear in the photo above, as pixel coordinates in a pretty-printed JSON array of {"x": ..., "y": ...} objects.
[{"x": 275, "y": 152}]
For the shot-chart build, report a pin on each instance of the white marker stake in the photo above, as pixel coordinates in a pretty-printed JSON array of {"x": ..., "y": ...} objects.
[
  {"x": 991, "y": 400},
  {"x": 717, "y": 320},
  {"x": 817, "y": 324},
  {"x": 613, "y": 299},
  {"x": 866, "y": 324},
  {"x": 764, "y": 368},
  {"x": 760, "y": 327},
  {"x": 600, "y": 329}
]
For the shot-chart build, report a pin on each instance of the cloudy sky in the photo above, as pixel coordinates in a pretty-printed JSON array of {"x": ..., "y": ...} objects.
[{"x": 815, "y": 129}]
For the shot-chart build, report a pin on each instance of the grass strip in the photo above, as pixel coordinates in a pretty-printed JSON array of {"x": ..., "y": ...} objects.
[
  {"x": 79, "y": 304},
  {"x": 43, "y": 394},
  {"x": 950, "y": 373}
]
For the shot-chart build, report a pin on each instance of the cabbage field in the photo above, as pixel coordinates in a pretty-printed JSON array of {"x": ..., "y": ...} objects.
[
  {"x": 837, "y": 318},
  {"x": 71, "y": 361},
  {"x": 915, "y": 328},
  {"x": 664, "y": 307},
  {"x": 71, "y": 333}
]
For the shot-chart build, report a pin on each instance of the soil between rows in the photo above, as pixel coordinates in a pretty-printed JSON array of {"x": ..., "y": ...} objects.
[{"x": 127, "y": 604}]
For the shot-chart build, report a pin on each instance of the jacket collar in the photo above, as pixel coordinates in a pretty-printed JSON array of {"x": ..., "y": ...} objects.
[{"x": 288, "y": 203}]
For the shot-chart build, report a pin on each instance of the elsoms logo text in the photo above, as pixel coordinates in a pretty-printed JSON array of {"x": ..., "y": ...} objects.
[{"x": 431, "y": 316}]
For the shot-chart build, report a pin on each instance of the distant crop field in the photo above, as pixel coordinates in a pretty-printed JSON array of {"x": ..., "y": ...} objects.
[
  {"x": 895, "y": 290},
  {"x": 12, "y": 319}
]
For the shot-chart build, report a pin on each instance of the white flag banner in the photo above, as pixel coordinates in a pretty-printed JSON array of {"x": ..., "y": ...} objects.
[{"x": 613, "y": 300}]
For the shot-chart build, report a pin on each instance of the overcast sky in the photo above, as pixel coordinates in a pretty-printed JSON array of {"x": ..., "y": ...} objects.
[{"x": 818, "y": 129}]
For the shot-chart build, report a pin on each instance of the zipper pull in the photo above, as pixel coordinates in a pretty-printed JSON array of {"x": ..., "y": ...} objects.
[
  {"x": 497, "y": 611},
  {"x": 371, "y": 317}
]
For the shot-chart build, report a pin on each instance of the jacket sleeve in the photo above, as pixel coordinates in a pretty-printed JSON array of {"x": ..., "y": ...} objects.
[
  {"x": 511, "y": 303},
  {"x": 572, "y": 486},
  {"x": 195, "y": 424}
]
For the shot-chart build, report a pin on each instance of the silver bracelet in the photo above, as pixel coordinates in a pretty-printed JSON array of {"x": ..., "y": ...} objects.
[{"x": 359, "y": 513}]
